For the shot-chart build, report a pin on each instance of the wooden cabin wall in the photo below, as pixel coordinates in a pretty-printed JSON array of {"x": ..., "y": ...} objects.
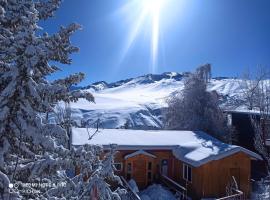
[
  {"x": 156, "y": 164},
  {"x": 194, "y": 187},
  {"x": 215, "y": 175},
  {"x": 175, "y": 170},
  {"x": 208, "y": 180}
]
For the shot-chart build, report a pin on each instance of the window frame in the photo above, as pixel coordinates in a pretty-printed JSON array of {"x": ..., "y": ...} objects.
[
  {"x": 121, "y": 166},
  {"x": 186, "y": 175},
  {"x": 149, "y": 166},
  {"x": 164, "y": 163},
  {"x": 129, "y": 172}
]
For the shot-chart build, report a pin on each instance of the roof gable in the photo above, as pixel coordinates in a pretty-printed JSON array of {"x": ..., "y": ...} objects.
[{"x": 140, "y": 152}]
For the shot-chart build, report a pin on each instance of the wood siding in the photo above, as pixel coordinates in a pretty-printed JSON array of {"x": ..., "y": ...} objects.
[
  {"x": 139, "y": 165},
  {"x": 216, "y": 175},
  {"x": 208, "y": 180}
]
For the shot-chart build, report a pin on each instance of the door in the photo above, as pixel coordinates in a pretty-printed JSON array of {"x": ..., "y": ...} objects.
[
  {"x": 139, "y": 168},
  {"x": 164, "y": 167}
]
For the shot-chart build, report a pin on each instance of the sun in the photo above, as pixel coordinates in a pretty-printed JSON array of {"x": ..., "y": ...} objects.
[
  {"x": 153, "y": 7},
  {"x": 142, "y": 11}
]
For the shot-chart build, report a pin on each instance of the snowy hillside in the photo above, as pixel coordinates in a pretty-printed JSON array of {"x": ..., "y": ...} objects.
[{"x": 137, "y": 103}]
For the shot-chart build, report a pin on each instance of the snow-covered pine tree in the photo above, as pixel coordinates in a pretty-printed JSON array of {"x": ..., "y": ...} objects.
[
  {"x": 194, "y": 108},
  {"x": 31, "y": 149}
]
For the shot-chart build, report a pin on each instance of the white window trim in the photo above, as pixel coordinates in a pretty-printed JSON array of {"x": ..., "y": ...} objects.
[
  {"x": 185, "y": 165},
  {"x": 121, "y": 166}
]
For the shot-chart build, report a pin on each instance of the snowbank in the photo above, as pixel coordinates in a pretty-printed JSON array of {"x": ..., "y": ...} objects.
[
  {"x": 156, "y": 192},
  {"x": 132, "y": 183}
]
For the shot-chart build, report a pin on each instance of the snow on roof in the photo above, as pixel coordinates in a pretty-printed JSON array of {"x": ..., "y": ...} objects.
[
  {"x": 194, "y": 148},
  {"x": 138, "y": 153}
]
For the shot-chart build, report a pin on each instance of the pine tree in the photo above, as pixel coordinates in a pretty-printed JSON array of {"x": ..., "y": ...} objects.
[{"x": 31, "y": 149}]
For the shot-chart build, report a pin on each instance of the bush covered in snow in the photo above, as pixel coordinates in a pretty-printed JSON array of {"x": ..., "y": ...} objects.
[{"x": 261, "y": 189}]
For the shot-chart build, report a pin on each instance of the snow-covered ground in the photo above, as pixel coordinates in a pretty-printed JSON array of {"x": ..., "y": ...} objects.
[
  {"x": 261, "y": 189},
  {"x": 137, "y": 102},
  {"x": 156, "y": 192},
  {"x": 152, "y": 192}
]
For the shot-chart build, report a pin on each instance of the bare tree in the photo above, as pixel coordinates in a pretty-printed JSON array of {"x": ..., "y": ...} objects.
[
  {"x": 194, "y": 108},
  {"x": 254, "y": 88},
  {"x": 256, "y": 97},
  {"x": 204, "y": 72}
]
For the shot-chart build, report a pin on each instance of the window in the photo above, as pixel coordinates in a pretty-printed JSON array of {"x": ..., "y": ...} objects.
[
  {"x": 229, "y": 119},
  {"x": 187, "y": 173},
  {"x": 129, "y": 167},
  {"x": 149, "y": 166},
  {"x": 164, "y": 167},
  {"x": 118, "y": 166},
  {"x": 149, "y": 173},
  {"x": 129, "y": 171}
]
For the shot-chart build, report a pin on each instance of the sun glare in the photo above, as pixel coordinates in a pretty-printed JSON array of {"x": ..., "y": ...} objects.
[
  {"x": 145, "y": 10},
  {"x": 152, "y": 9},
  {"x": 153, "y": 6}
]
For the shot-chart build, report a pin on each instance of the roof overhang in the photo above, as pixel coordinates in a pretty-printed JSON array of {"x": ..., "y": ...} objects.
[
  {"x": 140, "y": 147},
  {"x": 194, "y": 163}
]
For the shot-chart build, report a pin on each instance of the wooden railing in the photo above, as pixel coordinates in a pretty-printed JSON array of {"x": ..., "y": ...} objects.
[
  {"x": 177, "y": 188},
  {"x": 239, "y": 195},
  {"x": 131, "y": 194},
  {"x": 233, "y": 192}
]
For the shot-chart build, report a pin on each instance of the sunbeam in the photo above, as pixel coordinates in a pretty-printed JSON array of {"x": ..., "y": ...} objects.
[{"x": 143, "y": 10}]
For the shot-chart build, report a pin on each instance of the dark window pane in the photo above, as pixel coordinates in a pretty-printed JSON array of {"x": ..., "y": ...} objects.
[
  {"x": 128, "y": 176},
  {"x": 118, "y": 166},
  {"x": 149, "y": 166},
  {"x": 189, "y": 174},
  {"x": 129, "y": 167},
  {"x": 185, "y": 172},
  {"x": 164, "y": 162}
]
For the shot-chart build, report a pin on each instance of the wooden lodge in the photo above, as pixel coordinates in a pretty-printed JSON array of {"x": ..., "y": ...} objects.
[{"x": 202, "y": 166}]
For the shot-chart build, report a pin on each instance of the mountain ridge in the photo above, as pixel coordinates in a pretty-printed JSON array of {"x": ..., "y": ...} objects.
[{"x": 148, "y": 78}]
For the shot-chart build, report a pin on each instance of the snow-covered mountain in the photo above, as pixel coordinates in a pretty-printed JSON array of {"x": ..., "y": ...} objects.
[{"x": 138, "y": 102}]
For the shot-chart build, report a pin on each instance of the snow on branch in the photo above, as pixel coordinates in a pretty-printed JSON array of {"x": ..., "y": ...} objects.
[
  {"x": 46, "y": 8},
  {"x": 33, "y": 150}
]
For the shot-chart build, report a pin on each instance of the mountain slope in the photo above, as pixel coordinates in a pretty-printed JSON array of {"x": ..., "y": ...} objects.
[{"x": 138, "y": 102}]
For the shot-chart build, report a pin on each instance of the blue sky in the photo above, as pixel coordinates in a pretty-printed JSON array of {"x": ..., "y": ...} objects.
[{"x": 232, "y": 35}]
